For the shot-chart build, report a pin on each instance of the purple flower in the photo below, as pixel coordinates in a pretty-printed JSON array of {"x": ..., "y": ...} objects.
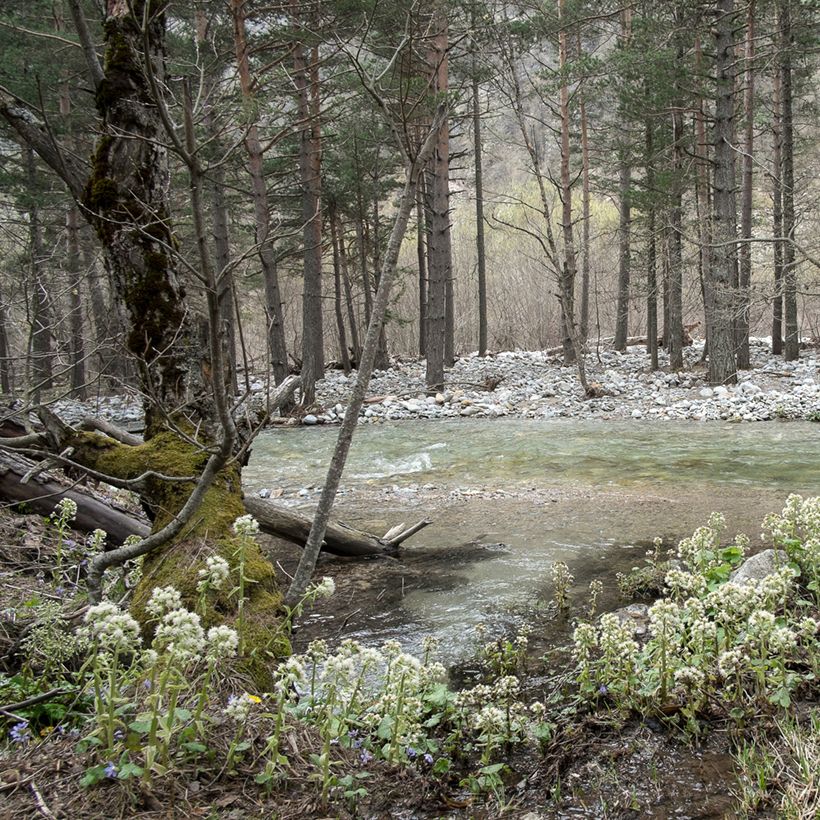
[
  {"x": 19, "y": 733},
  {"x": 59, "y": 591},
  {"x": 111, "y": 771},
  {"x": 412, "y": 753},
  {"x": 428, "y": 758},
  {"x": 365, "y": 756},
  {"x": 602, "y": 690},
  {"x": 119, "y": 734}
]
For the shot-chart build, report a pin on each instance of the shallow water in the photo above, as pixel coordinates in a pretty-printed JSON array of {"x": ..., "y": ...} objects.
[{"x": 593, "y": 494}]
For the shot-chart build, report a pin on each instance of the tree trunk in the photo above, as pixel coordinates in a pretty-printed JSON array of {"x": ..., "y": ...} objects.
[
  {"x": 777, "y": 218},
  {"x": 624, "y": 257},
  {"x": 624, "y": 209},
  {"x": 222, "y": 257},
  {"x": 568, "y": 269},
  {"x": 6, "y": 373},
  {"x": 382, "y": 357},
  {"x": 747, "y": 179},
  {"x": 344, "y": 355},
  {"x": 351, "y": 312},
  {"x": 259, "y": 194},
  {"x": 722, "y": 362},
  {"x": 307, "y": 563},
  {"x": 791, "y": 348},
  {"x": 78, "y": 385},
  {"x": 674, "y": 329},
  {"x": 439, "y": 260},
  {"x": 585, "y": 207},
  {"x": 651, "y": 252},
  {"x": 41, "y": 354},
  {"x": 306, "y": 79},
  {"x": 702, "y": 195},
  {"x": 421, "y": 254},
  {"x": 481, "y": 259}
]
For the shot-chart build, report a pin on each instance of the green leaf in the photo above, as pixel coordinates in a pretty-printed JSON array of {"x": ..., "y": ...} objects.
[
  {"x": 140, "y": 726},
  {"x": 92, "y": 776},
  {"x": 127, "y": 770},
  {"x": 441, "y": 766},
  {"x": 781, "y": 697},
  {"x": 194, "y": 746},
  {"x": 385, "y": 730},
  {"x": 493, "y": 768}
]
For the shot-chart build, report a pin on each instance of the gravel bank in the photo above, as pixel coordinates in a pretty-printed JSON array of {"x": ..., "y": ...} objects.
[{"x": 534, "y": 385}]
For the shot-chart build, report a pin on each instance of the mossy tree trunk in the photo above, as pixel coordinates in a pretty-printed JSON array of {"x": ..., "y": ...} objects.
[{"x": 126, "y": 200}]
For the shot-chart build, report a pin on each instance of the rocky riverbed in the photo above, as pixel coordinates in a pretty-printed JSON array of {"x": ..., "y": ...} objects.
[{"x": 537, "y": 385}]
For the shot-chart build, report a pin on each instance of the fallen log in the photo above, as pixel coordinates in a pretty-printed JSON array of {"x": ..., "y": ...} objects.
[
  {"x": 43, "y": 490},
  {"x": 340, "y": 538}
]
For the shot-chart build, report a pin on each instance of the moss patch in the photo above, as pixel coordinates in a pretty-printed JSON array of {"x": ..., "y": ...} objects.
[{"x": 209, "y": 532}]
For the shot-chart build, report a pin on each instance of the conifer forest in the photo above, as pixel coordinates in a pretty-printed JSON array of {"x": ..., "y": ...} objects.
[{"x": 409, "y": 409}]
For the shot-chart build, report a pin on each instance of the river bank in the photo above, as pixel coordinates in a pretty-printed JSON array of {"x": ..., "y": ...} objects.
[{"x": 535, "y": 385}]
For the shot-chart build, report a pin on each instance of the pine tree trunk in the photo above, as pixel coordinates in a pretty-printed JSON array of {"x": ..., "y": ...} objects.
[
  {"x": 6, "y": 372},
  {"x": 481, "y": 258},
  {"x": 351, "y": 309},
  {"x": 439, "y": 260},
  {"x": 651, "y": 251},
  {"x": 624, "y": 258},
  {"x": 745, "y": 254},
  {"x": 674, "y": 329},
  {"x": 585, "y": 210},
  {"x": 421, "y": 255},
  {"x": 344, "y": 355},
  {"x": 777, "y": 218},
  {"x": 568, "y": 270},
  {"x": 702, "y": 195},
  {"x": 77, "y": 346},
  {"x": 222, "y": 258},
  {"x": 306, "y": 79},
  {"x": 259, "y": 194},
  {"x": 41, "y": 354},
  {"x": 721, "y": 298},
  {"x": 791, "y": 348}
]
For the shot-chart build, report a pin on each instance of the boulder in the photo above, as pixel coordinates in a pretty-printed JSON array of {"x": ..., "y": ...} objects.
[{"x": 759, "y": 566}]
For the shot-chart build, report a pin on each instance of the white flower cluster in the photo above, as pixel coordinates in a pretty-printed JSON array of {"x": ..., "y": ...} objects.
[
  {"x": 222, "y": 642},
  {"x": 66, "y": 510},
  {"x": 180, "y": 634},
  {"x": 699, "y": 551},
  {"x": 111, "y": 628},
  {"x": 246, "y": 526},
  {"x": 96, "y": 540},
  {"x": 239, "y": 707},
  {"x": 745, "y": 636},
  {"x": 325, "y": 588},
  {"x": 800, "y": 520},
  {"x": 214, "y": 574},
  {"x": 162, "y": 600}
]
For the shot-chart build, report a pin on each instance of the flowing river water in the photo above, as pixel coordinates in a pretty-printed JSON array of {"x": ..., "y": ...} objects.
[{"x": 510, "y": 497}]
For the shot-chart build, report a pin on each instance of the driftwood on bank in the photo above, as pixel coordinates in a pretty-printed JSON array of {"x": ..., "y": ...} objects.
[
  {"x": 22, "y": 480},
  {"x": 340, "y": 539}
]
